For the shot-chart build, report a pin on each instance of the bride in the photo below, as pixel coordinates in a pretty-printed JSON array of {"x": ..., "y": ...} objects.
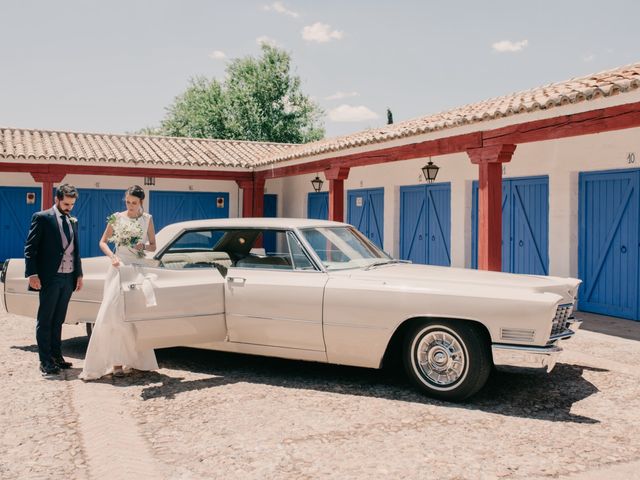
[{"x": 112, "y": 347}]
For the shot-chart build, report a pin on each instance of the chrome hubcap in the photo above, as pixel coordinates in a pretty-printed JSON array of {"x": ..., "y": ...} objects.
[{"x": 441, "y": 358}]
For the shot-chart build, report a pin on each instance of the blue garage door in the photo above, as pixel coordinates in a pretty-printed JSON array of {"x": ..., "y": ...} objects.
[
  {"x": 15, "y": 218},
  {"x": 172, "y": 207},
  {"x": 318, "y": 205},
  {"x": 92, "y": 209},
  {"x": 608, "y": 262},
  {"x": 366, "y": 212},
  {"x": 270, "y": 210},
  {"x": 425, "y": 224},
  {"x": 525, "y": 225}
]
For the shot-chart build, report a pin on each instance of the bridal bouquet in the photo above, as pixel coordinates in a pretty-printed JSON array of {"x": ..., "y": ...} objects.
[{"x": 125, "y": 234}]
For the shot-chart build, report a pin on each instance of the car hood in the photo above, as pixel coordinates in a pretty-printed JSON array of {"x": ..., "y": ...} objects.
[{"x": 464, "y": 279}]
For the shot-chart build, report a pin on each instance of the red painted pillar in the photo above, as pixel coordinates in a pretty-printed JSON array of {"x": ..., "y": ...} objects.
[
  {"x": 258, "y": 196},
  {"x": 489, "y": 161},
  {"x": 47, "y": 180},
  {"x": 252, "y": 196},
  {"x": 336, "y": 177},
  {"x": 247, "y": 197}
]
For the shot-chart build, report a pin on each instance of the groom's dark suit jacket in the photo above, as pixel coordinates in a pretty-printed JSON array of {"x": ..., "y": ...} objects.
[{"x": 43, "y": 249}]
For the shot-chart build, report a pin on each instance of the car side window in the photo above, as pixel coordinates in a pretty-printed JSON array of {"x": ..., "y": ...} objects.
[
  {"x": 300, "y": 259},
  {"x": 195, "y": 249},
  {"x": 271, "y": 250}
]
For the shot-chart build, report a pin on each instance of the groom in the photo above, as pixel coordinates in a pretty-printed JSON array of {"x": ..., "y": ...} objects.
[{"x": 52, "y": 260}]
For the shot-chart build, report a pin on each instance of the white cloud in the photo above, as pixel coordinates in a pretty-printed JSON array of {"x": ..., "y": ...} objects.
[
  {"x": 320, "y": 32},
  {"x": 217, "y": 55},
  {"x": 267, "y": 40},
  {"x": 589, "y": 57},
  {"x": 349, "y": 113},
  {"x": 280, "y": 8},
  {"x": 509, "y": 46},
  {"x": 341, "y": 95}
]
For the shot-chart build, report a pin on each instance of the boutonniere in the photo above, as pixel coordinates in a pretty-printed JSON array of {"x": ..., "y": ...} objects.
[{"x": 73, "y": 219}]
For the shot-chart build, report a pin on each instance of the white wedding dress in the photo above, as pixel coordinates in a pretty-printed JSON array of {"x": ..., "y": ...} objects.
[{"x": 113, "y": 341}]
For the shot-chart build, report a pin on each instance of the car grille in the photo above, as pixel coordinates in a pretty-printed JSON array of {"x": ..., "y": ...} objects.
[{"x": 561, "y": 320}]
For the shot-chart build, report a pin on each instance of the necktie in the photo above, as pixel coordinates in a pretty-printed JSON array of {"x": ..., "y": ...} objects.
[{"x": 65, "y": 228}]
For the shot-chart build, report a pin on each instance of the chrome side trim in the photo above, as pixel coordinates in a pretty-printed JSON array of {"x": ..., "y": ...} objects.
[
  {"x": 525, "y": 357},
  {"x": 279, "y": 319},
  {"x": 171, "y": 317},
  {"x": 353, "y": 325}
]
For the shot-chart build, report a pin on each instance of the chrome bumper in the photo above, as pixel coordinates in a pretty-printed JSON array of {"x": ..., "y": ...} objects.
[
  {"x": 517, "y": 356},
  {"x": 530, "y": 357}
]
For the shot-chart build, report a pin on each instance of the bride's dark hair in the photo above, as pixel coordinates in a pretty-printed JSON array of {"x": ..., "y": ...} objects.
[{"x": 136, "y": 191}]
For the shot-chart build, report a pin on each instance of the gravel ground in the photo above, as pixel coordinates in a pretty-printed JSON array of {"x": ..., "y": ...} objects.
[{"x": 209, "y": 414}]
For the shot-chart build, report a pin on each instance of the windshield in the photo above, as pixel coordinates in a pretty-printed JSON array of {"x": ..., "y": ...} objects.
[{"x": 343, "y": 247}]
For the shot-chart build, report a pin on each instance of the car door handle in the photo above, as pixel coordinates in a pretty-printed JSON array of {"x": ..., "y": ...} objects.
[{"x": 236, "y": 280}]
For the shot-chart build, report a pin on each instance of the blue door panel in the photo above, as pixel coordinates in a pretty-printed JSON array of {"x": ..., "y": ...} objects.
[
  {"x": 92, "y": 208},
  {"x": 425, "y": 224},
  {"x": 525, "y": 225},
  {"x": 608, "y": 261},
  {"x": 412, "y": 224},
  {"x": 439, "y": 224},
  {"x": 15, "y": 219},
  {"x": 318, "y": 205},
  {"x": 172, "y": 207},
  {"x": 529, "y": 225},
  {"x": 357, "y": 207},
  {"x": 507, "y": 223},
  {"x": 270, "y": 210},
  {"x": 376, "y": 216},
  {"x": 365, "y": 211}
]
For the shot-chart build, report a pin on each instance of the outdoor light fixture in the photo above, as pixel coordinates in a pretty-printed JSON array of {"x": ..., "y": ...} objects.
[
  {"x": 430, "y": 171},
  {"x": 317, "y": 183},
  {"x": 149, "y": 181}
]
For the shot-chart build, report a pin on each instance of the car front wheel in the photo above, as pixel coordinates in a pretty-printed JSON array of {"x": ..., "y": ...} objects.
[{"x": 446, "y": 359}]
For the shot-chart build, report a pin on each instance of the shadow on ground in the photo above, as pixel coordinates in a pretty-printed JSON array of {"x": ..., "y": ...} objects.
[
  {"x": 538, "y": 396},
  {"x": 618, "y": 327}
]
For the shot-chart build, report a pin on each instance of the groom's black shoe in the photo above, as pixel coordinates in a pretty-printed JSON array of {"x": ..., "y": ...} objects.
[
  {"x": 48, "y": 369},
  {"x": 61, "y": 363}
]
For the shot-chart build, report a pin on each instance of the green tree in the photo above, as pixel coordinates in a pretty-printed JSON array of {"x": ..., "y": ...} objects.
[{"x": 259, "y": 100}]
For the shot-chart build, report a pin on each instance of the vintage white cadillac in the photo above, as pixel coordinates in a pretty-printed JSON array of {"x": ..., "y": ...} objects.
[{"x": 320, "y": 291}]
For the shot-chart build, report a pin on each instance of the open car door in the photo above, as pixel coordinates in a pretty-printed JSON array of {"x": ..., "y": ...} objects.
[{"x": 174, "y": 307}]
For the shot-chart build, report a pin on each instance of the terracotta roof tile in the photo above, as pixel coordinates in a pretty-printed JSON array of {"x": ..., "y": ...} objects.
[{"x": 106, "y": 148}]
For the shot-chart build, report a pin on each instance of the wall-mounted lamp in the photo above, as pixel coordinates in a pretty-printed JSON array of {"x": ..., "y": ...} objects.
[
  {"x": 149, "y": 181},
  {"x": 430, "y": 171},
  {"x": 317, "y": 183}
]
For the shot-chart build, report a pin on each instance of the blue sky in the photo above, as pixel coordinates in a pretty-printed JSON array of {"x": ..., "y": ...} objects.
[{"x": 114, "y": 66}]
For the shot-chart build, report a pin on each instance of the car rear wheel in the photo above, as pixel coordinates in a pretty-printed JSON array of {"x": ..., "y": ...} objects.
[{"x": 446, "y": 359}]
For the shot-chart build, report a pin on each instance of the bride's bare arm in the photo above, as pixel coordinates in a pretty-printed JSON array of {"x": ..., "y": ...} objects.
[
  {"x": 105, "y": 248},
  {"x": 151, "y": 233}
]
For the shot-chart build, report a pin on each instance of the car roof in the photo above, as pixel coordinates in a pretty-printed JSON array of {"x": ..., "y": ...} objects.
[{"x": 168, "y": 232}]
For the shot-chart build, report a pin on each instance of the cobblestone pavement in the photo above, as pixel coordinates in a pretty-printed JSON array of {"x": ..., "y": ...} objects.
[{"x": 208, "y": 415}]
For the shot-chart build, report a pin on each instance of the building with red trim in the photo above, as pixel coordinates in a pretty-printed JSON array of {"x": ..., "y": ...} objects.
[{"x": 543, "y": 181}]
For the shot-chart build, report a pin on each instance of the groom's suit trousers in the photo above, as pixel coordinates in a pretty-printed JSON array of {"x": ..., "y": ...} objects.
[{"x": 54, "y": 300}]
